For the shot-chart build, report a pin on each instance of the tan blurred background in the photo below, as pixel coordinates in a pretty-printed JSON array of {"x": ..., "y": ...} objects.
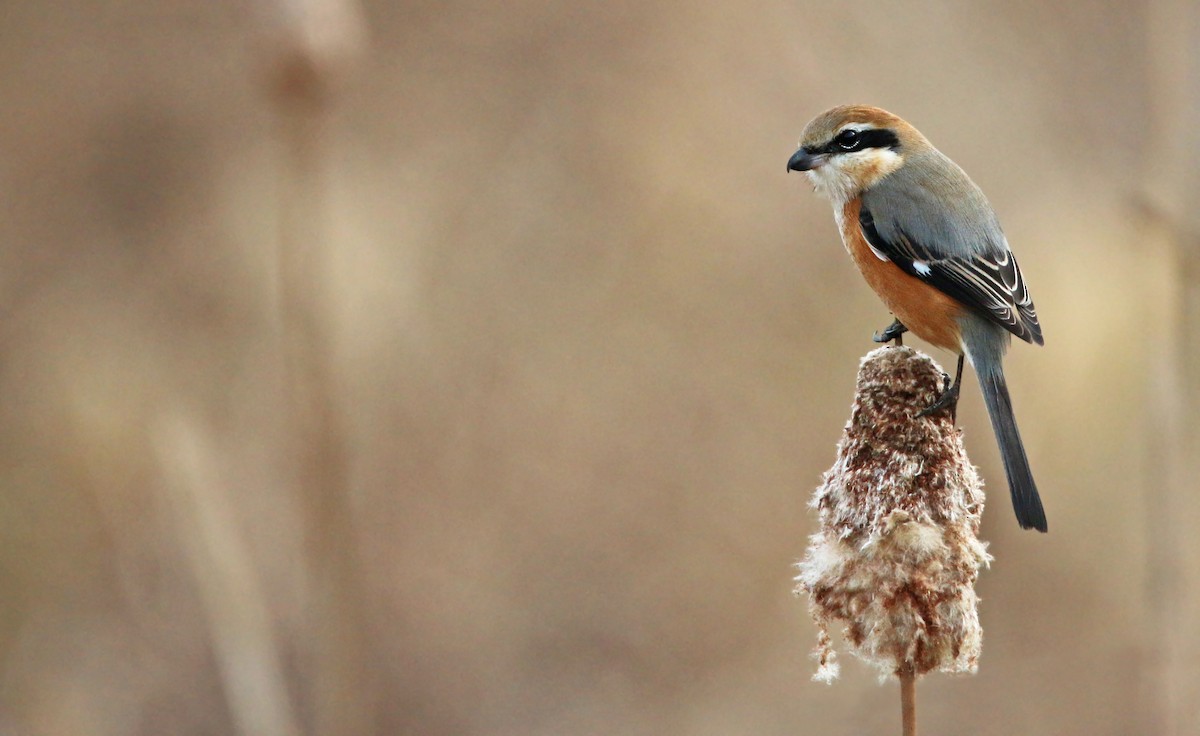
[{"x": 577, "y": 352}]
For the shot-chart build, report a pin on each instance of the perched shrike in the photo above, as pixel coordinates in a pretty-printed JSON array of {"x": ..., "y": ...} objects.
[{"x": 927, "y": 241}]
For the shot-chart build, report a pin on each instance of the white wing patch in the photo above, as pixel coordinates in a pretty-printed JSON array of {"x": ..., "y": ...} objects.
[{"x": 921, "y": 267}]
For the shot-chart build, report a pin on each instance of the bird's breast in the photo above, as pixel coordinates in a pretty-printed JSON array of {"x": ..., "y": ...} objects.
[{"x": 926, "y": 311}]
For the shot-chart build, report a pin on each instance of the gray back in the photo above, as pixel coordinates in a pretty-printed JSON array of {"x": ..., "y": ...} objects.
[{"x": 936, "y": 205}]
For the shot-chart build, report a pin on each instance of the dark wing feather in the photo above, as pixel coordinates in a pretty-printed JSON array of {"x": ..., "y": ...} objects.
[{"x": 990, "y": 283}]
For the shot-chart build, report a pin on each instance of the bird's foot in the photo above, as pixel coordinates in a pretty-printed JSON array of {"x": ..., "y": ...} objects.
[
  {"x": 894, "y": 331},
  {"x": 947, "y": 399}
]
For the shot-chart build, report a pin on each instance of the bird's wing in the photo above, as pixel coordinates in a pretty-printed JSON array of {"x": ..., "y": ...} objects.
[{"x": 967, "y": 260}]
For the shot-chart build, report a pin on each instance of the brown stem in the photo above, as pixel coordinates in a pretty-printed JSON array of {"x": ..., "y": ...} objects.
[{"x": 908, "y": 699}]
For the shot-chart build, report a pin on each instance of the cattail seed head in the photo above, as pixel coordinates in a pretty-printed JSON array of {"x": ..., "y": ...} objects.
[{"x": 897, "y": 555}]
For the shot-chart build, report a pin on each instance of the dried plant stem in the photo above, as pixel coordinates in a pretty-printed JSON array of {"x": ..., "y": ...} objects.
[
  {"x": 1171, "y": 174},
  {"x": 898, "y": 552},
  {"x": 908, "y": 700},
  {"x": 318, "y": 457},
  {"x": 312, "y": 45}
]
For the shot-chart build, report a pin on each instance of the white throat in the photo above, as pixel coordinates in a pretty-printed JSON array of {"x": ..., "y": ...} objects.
[
  {"x": 832, "y": 183},
  {"x": 844, "y": 176}
]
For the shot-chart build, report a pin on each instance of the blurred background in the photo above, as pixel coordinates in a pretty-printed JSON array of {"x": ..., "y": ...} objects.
[{"x": 466, "y": 367}]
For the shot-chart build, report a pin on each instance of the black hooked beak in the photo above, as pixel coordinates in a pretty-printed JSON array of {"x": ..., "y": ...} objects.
[{"x": 802, "y": 160}]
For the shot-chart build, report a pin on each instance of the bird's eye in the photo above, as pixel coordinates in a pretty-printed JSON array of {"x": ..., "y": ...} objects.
[{"x": 848, "y": 139}]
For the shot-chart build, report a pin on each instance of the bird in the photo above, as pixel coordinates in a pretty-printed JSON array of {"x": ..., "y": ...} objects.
[{"x": 930, "y": 245}]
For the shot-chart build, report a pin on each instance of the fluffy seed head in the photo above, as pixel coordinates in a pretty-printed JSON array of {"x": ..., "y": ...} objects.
[{"x": 897, "y": 555}]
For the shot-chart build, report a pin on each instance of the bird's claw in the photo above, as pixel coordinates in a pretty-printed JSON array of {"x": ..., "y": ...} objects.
[
  {"x": 894, "y": 331},
  {"x": 947, "y": 399}
]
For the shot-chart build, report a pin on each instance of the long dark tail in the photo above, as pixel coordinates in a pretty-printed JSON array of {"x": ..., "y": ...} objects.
[{"x": 1025, "y": 499}]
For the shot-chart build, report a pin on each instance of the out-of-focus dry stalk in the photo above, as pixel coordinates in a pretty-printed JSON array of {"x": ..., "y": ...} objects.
[
  {"x": 897, "y": 556},
  {"x": 1171, "y": 179},
  {"x": 312, "y": 45},
  {"x": 239, "y": 620}
]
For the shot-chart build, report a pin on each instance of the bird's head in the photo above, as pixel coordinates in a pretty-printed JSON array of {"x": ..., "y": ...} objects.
[{"x": 847, "y": 149}]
